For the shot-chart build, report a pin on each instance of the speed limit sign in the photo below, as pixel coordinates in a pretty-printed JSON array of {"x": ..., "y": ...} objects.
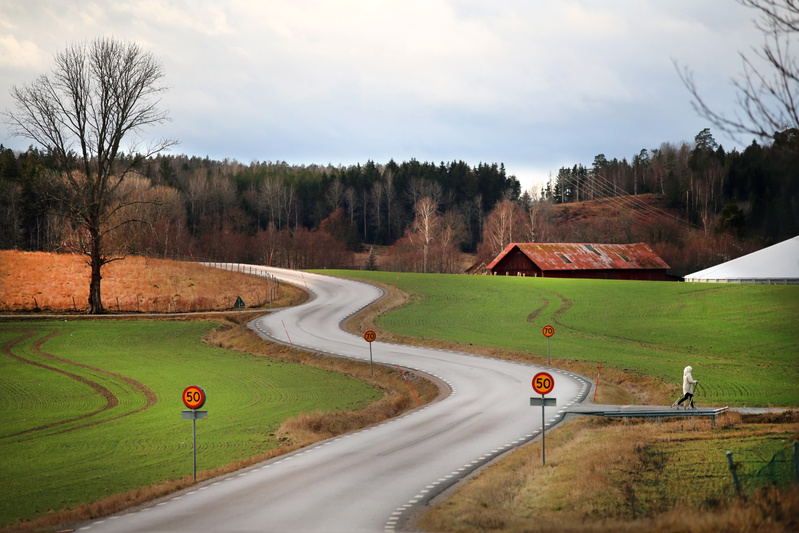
[
  {"x": 193, "y": 397},
  {"x": 548, "y": 331},
  {"x": 369, "y": 336},
  {"x": 543, "y": 383}
]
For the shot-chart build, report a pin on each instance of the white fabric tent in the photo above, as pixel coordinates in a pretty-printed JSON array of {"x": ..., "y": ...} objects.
[{"x": 775, "y": 264}]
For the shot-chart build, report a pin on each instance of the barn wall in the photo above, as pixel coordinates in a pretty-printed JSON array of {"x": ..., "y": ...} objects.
[
  {"x": 630, "y": 275},
  {"x": 516, "y": 264}
]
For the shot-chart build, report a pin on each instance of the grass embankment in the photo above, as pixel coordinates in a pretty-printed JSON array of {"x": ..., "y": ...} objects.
[
  {"x": 91, "y": 410},
  {"x": 741, "y": 340},
  {"x": 603, "y": 476}
]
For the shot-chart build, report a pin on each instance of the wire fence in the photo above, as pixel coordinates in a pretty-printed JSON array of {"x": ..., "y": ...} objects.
[
  {"x": 782, "y": 470},
  {"x": 697, "y": 474}
]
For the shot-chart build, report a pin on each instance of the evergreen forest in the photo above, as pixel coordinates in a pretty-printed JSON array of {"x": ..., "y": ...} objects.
[{"x": 694, "y": 203}]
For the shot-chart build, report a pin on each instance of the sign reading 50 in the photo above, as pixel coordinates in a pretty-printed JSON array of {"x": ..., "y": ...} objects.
[
  {"x": 194, "y": 397},
  {"x": 543, "y": 383}
]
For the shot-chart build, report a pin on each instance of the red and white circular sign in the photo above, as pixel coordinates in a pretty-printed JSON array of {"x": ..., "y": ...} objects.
[
  {"x": 193, "y": 397},
  {"x": 543, "y": 383}
]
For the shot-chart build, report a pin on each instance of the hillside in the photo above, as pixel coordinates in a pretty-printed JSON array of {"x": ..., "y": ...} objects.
[
  {"x": 60, "y": 282},
  {"x": 686, "y": 247}
]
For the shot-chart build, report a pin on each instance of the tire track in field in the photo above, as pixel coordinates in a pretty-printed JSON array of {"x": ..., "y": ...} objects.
[
  {"x": 532, "y": 317},
  {"x": 566, "y": 304},
  {"x": 110, "y": 398}
]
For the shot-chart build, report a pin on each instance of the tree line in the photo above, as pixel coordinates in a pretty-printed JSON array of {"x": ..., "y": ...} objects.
[
  {"x": 181, "y": 205},
  {"x": 753, "y": 193},
  {"x": 427, "y": 214}
]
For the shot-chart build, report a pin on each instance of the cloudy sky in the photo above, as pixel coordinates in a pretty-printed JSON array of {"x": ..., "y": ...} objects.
[{"x": 535, "y": 85}]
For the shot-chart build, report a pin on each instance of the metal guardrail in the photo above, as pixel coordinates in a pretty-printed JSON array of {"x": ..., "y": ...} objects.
[
  {"x": 668, "y": 413},
  {"x": 647, "y": 412}
]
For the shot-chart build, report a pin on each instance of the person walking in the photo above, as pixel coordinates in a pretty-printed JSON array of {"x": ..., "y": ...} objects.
[{"x": 688, "y": 383}]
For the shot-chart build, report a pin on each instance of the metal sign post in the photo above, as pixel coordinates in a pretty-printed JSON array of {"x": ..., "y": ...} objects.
[
  {"x": 548, "y": 331},
  {"x": 543, "y": 402},
  {"x": 239, "y": 304},
  {"x": 194, "y": 397},
  {"x": 369, "y": 337},
  {"x": 542, "y": 384}
]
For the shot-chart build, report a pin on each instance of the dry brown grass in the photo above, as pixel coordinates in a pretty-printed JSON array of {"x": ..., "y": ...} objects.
[
  {"x": 589, "y": 485},
  {"x": 60, "y": 283}
]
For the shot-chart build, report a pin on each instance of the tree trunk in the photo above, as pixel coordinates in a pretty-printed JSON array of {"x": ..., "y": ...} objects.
[{"x": 95, "y": 302}]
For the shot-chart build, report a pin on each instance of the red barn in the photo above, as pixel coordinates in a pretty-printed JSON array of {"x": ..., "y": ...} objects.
[{"x": 595, "y": 261}]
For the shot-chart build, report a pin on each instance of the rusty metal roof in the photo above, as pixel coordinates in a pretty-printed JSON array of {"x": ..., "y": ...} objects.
[{"x": 573, "y": 256}]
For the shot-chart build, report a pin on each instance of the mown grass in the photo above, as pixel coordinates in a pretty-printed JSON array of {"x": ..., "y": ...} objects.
[
  {"x": 92, "y": 409},
  {"x": 742, "y": 340}
]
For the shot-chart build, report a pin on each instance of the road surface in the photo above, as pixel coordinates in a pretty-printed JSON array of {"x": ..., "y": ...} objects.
[{"x": 371, "y": 480}]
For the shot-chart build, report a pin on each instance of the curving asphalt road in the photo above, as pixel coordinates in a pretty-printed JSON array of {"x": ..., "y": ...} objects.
[{"x": 374, "y": 479}]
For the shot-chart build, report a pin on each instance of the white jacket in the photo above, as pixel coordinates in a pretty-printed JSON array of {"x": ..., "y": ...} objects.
[{"x": 687, "y": 380}]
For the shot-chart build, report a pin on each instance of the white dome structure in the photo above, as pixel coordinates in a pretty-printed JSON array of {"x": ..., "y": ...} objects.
[{"x": 778, "y": 264}]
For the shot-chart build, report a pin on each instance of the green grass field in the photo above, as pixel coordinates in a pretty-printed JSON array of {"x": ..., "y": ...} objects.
[
  {"x": 742, "y": 340},
  {"x": 90, "y": 409}
]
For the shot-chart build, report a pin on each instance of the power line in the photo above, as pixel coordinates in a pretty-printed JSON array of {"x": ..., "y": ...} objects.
[{"x": 626, "y": 201}]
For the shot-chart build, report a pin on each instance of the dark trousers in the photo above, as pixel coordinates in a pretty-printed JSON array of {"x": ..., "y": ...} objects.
[{"x": 687, "y": 396}]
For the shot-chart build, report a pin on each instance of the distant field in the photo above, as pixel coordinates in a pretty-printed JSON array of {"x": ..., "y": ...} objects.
[
  {"x": 90, "y": 409},
  {"x": 60, "y": 283},
  {"x": 742, "y": 340}
]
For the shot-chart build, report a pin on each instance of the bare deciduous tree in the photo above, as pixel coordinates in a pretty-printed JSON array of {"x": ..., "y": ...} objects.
[
  {"x": 376, "y": 197},
  {"x": 499, "y": 226},
  {"x": 425, "y": 225},
  {"x": 766, "y": 96},
  {"x": 351, "y": 198},
  {"x": 419, "y": 188},
  {"x": 97, "y": 94},
  {"x": 335, "y": 194},
  {"x": 391, "y": 193},
  {"x": 270, "y": 194},
  {"x": 452, "y": 231}
]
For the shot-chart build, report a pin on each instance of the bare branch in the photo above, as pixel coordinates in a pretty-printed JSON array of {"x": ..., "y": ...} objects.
[
  {"x": 765, "y": 99},
  {"x": 97, "y": 95}
]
